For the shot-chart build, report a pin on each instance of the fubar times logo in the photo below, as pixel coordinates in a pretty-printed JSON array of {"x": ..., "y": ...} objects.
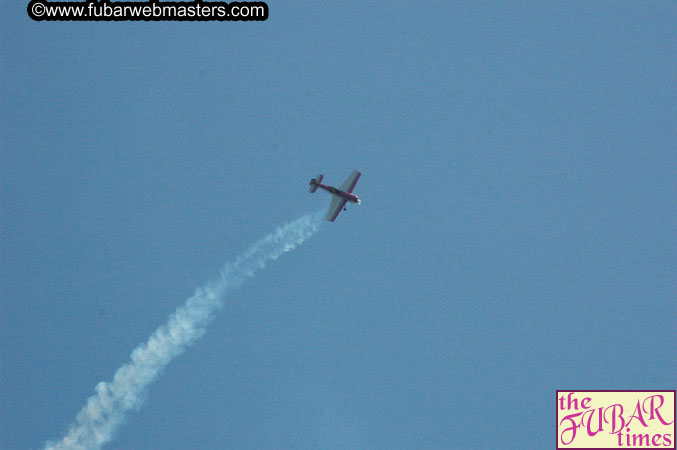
[{"x": 615, "y": 420}]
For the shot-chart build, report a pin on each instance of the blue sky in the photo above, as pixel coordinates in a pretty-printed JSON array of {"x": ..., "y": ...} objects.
[{"x": 516, "y": 234}]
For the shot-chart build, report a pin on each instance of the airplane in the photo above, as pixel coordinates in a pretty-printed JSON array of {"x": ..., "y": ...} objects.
[{"x": 340, "y": 196}]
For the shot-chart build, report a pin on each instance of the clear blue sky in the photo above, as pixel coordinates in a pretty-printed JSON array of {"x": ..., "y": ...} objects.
[{"x": 516, "y": 236}]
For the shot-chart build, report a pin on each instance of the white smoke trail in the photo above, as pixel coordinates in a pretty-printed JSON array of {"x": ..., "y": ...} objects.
[{"x": 96, "y": 423}]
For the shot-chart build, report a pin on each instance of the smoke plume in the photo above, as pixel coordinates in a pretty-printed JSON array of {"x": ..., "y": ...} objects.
[{"x": 97, "y": 422}]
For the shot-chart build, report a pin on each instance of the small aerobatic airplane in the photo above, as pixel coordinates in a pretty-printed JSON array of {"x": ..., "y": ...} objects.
[{"x": 340, "y": 196}]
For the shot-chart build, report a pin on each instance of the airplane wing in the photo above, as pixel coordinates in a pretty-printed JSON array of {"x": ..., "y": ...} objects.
[
  {"x": 335, "y": 207},
  {"x": 350, "y": 183}
]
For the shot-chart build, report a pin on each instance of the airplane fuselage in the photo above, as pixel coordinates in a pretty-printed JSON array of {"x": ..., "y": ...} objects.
[
  {"x": 339, "y": 196},
  {"x": 348, "y": 196}
]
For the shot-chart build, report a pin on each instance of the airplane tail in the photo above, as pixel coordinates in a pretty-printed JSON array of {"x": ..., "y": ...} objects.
[{"x": 314, "y": 182}]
